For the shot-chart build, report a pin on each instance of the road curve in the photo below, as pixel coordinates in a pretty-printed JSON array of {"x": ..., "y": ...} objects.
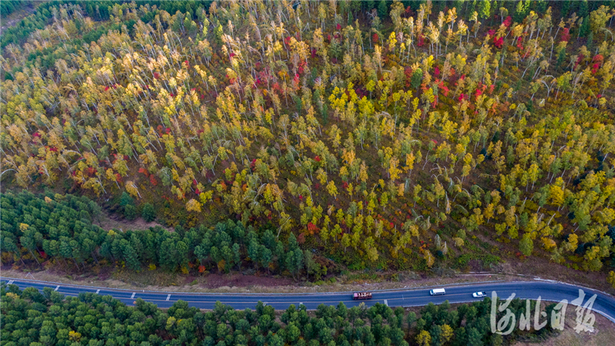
[{"x": 546, "y": 290}]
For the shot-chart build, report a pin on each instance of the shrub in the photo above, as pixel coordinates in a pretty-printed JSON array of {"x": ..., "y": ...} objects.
[
  {"x": 130, "y": 212},
  {"x": 148, "y": 213},
  {"x": 125, "y": 199}
]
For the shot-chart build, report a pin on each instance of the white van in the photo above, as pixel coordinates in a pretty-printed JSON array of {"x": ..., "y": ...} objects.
[{"x": 437, "y": 292}]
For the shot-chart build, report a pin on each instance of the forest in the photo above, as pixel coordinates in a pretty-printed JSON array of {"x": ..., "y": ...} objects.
[
  {"x": 62, "y": 230},
  {"x": 8, "y": 7},
  {"x": 327, "y": 132},
  {"x": 38, "y": 318}
]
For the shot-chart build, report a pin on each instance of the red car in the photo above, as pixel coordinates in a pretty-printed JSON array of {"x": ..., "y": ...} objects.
[{"x": 362, "y": 295}]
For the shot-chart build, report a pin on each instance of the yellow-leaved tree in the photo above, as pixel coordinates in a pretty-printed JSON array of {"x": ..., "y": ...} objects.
[
  {"x": 132, "y": 189},
  {"x": 429, "y": 258},
  {"x": 424, "y": 338},
  {"x": 556, "y": 193},
  {"x": 447, "y": 333},
  {"x": 193, "y": 205},
  {"x": 611, "y": 278},
  {"x": 332, "y": 189}
]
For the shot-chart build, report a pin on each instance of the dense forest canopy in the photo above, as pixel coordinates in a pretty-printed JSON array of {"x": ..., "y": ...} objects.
[
  {"x": 62, "y": 230},
  {"x": 381, "y": 134},
  {"x": 8, "y": 7},
  {"x": 48, "y": 318}
]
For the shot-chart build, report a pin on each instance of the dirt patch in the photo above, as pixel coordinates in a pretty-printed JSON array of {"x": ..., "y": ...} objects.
[
  {"x": 104, "y": 273},
  {"x": 240, "y": 280},
  {"x": 111, "y": 221},
  {"x": 475, "y": 265},
  {"x": 14, "y": 18}
]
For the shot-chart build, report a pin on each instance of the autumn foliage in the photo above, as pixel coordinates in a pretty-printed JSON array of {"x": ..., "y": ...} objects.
[{"x": 362, "y": 137}]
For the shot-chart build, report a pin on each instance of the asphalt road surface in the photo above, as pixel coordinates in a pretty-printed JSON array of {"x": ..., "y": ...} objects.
[{"x": 546, "y": 290}]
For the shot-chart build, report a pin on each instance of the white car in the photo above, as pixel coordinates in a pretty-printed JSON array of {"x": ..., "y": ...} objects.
[{"x": 479, "y": 294}]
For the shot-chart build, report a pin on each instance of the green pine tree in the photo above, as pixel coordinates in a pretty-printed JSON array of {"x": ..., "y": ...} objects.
[
  {"x": 383, "y": 9},
  {"x": 148, "y": 213}
]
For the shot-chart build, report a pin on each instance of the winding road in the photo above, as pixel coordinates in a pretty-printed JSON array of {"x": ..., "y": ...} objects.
[{"x": 546, "y": 290}]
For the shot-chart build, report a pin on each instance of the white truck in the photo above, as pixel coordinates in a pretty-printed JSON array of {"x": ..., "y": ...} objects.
[{"x": 437, "y": 292}]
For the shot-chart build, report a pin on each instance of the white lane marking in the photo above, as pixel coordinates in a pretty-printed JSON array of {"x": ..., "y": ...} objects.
[
  {"x": 386, "y": 303},
  {"x": 11, "y": 282},
  {"x": 57, "y": 288},
  {"x": 133, "y": 295},
  {"x": 97, "y": 291},
  {"x": 168, "y": 297}
]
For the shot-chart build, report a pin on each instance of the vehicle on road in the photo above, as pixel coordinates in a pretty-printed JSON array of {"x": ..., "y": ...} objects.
[
  {"x": 362, "y": 295},
  {"x": 437, "y": 292},
  {"x": 479, "y": 294}
]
